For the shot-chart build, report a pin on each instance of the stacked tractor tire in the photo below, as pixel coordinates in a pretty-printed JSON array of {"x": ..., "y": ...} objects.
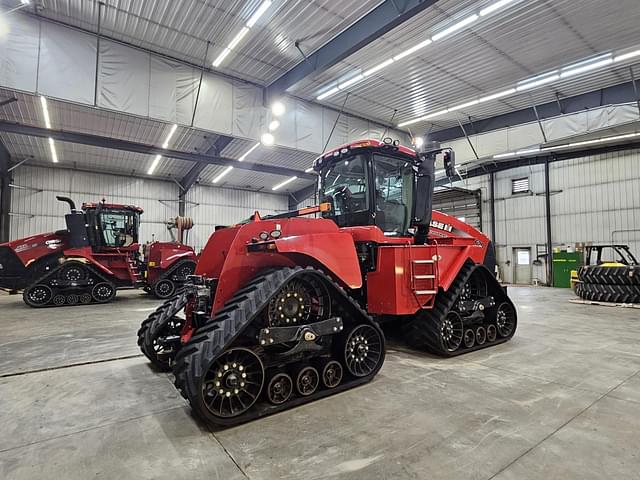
[{"x": 613, "y": 284}]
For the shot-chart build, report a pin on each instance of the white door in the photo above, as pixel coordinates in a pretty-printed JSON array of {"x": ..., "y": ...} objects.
[{"x": 522, "y": 261}]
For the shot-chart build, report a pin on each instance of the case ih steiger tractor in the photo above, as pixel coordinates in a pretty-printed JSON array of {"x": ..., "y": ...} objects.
[
  {"x": 96, "y": 254},
  {"x": 284, "y": 310}
]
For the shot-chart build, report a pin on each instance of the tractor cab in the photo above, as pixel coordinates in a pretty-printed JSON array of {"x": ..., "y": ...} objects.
[
  {"x": 112, "y": 226},
  {"x": 379, "y": 183},
  {"x": 610, "y": 255}
]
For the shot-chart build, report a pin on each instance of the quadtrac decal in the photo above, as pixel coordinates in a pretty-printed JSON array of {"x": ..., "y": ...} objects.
[{"x": 441, "y": 226}]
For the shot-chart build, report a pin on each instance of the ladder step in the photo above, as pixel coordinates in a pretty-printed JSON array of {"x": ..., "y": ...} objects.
[
  {"x": 422, "y": 261},
  {"x": 425, "y": 292},
  {"x": 424, "y": 277}
]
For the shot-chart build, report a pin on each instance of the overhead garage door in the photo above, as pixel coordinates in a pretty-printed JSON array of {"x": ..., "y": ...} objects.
[{"x": 461, "y": 203}]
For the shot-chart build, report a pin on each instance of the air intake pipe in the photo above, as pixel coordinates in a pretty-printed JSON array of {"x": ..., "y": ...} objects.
[
  {"x": 71, "y": 203},
  {"x": 76, "y": 224}
]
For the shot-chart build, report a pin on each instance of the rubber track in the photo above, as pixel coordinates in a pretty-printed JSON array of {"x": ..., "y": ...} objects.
[
  {"x": 51, "y": 272},
  {"x": 211, "y": 340},
  {"x": 627, "y": 275},
  {"x": 423, "y": 330},
  {"x": 178, "y": 284},
  {"x": 609, "y": 293}
]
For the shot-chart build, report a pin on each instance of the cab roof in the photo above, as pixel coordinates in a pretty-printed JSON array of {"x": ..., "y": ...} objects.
[
  {"x": 112, "y": 206},
  {"x": 362, "y": 144}
]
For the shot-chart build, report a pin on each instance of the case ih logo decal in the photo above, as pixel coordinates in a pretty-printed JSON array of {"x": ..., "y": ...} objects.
[
  {"x": 53, "y": 243},
  {"x": 441, "y": 226}
]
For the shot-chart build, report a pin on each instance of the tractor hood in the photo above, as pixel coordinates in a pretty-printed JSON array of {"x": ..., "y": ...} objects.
[{"x": 32, "y": 248}]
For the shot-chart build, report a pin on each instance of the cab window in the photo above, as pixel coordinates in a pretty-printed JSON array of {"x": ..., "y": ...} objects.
[
  {"x": 119, "y": 228},
  {"x": 393, "y": 194},
  {"x": 345, "y": 186}
]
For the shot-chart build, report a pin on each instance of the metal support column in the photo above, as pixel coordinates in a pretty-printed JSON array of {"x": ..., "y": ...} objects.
[
  {"x": 492, "y": 193},
  {"x": 547, "y": 198},
  {"x": 5, "y": 193}
]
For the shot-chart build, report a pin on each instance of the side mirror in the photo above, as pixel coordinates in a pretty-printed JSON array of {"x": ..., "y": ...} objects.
[{"x": 450, "y": 163}]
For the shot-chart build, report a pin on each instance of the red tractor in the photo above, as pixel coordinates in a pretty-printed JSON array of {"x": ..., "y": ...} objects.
[
  {"x": 284, "y": 310},
  {"x": 96, "y": 254}
]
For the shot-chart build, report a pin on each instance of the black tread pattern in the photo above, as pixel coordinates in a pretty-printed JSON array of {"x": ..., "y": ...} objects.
[
  {"x": 627, "y": 275},
  {"x": 166, "y": 274},
  {"x": 146, "y": 332},
  {"x": 609, "y": 293},
  {"x": 422, "y": 331},
  {"x": 92, "y": 270},
  {"x": 212, "y": 339}
]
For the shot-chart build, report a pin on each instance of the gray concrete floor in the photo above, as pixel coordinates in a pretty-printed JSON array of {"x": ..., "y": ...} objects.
[{"x": 561, "y": 400}]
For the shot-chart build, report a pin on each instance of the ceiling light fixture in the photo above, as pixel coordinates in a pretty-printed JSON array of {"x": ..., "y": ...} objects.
[
  {"x": 246, "y": 154},
  {"x": 267, "y": 139},
  {"x": 585, "y": 68},
  {"x": 286, "y": 182},
  {"x": 174, "y": 127},
  {"x": 278, "y": 108},
  {"x": 54, "y": 154},
  {"x": 273, "y": 125},
  {"x": 45, "y": 112},
  {"x": 309, "y": 170},
  {"x": 222, "y": 174},
  {"x": 626, "y": 56},
  {"x": 526, "y": 85},
  {"x": 154, "y": 165},
  {"x": 331, "y": 90},
  {"x": 242, "y": 33},
  {"x": 455, "y": 27}
]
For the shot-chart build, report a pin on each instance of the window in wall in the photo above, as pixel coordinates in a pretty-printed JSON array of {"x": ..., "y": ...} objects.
[{"x": 520, "y": 185}]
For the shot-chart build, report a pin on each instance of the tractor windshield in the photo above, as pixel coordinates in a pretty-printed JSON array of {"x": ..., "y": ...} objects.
[
  {"x": 345, "y": 185},
  {"x": 119, "y": 227},
  {"x": 394, "y": 194}
]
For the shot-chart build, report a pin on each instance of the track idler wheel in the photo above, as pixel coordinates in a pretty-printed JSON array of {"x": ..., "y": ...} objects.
[
  {"x": 279, "y": 389},
  {"x": 85, "y": 298},
  {"x": 307, "y": 381},
  {"x": 481, "y": 335},
  {"x": 37, "y": 295},
  {"x": 451, "y": 332},
  {"x": 103, "y": 292},
  {"x": 164, "y": 288},
  {"x": 232, "y": 383},
  {"x": 492, "y": 333},
  {"x": 332, "y": 374},
  {"x": 363, "y": 350},
  {"x": 158, "y": 350},
  {"x": 469, "y": 338},
  {"x": 58, "y": 300},
  {"x": 72, "y": 299},
  {"x": 505, "y": 319}
]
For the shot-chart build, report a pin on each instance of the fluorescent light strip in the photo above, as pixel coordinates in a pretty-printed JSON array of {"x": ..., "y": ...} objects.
[
  {"x": 154, "y": 165},
  {"x": 455, "y": 27},
  {"x": 585, "y": 68},
  {"x": 464, "y": 105},
  {"x": 568, "y": 145},
  {"x": 246, "y": 154},
  {"x": 45, "y": 112},
  {"x": 444, "y": 33},
  {"x": 537, "y": 83},
  {"x": 309, "y": 170},
  {"x": 626, "y": 56},
  {"x": 174, "y": 127},
  {"x": 495, "y": 96},
  {"x": 258, "y": 13},
  {"x": 280, "y": 185},
  {"x": 242, "y": 33},
  {"x": 494, "y": 6},
  {"x": 54, "y": 154},
  {"x": 380, "y": 66},
  {"x": 224, "y": 172}
]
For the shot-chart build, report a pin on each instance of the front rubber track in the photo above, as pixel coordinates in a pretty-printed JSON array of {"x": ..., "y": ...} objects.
[
  {"x": 211, "y": 340},
  {"x": 422, "y": 331}
]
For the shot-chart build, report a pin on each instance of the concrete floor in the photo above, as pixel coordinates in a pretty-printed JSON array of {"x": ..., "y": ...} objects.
[{"x": 561, "y": 400}]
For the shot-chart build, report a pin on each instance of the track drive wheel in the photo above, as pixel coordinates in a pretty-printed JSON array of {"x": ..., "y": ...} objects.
[
  {"x": 451, "y": 332},
  {"x": 103, "y": 292},
  {"x": 505, "y": 319},
  {"x": 73, "y": 271},
  {"x": 232, "y": 383},
  {"x": 164, "y": 288},
  {"x": 37, "y": 295}
]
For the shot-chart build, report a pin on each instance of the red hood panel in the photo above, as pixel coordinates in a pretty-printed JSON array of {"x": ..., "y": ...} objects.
[{"x": 32, "y": 248}]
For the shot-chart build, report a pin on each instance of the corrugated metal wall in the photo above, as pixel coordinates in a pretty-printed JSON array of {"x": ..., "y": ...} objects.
[
  {"x": 210, "y": 207},
  {"x": 593, "y": 199},
  {"x": 34, "y": 209}
]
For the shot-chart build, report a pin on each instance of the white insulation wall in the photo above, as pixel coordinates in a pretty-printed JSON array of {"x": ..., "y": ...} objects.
[
  {"x": 35, "y": 210},
  {"x": 210, "y": 207},
  {"x": 593, "y": 199}
]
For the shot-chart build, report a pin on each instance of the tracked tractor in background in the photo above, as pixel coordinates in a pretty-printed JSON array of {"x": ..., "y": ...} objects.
[
  {"x": 87, "y": 262},
  {"x": 284, "y": 310}
]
